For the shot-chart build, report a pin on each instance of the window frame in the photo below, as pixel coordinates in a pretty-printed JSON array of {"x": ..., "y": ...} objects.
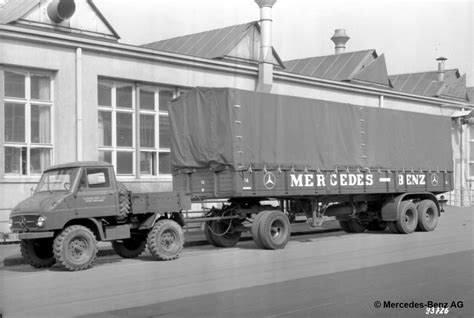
[
  {"x": 470, "y": 151},
  {"x": 27, "y": 102},
  {"x": 156, "y": 150},
  {"x": 114, "y": 110}
]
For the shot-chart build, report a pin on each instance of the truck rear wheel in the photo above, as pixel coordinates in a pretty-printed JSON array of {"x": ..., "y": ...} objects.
[
  {"x": 392, "y": 227},
  {"x": 377, "y": 226},
  {"x": 274, "y": 230},
  {"x": 129, "y": 248},
  {"x": 427, "y": 215},
  {"x": 408, "y": 217},
  {"x": 345, "y": 226},
  {"x": 208, "y": 234},
  {"x": 254, "y": 229},
  {"x": 356, "y": 226},
  {"x": 75, "y": 248},
  {"x": 166, "y": 240},
  {"x": 38, "y": 253},
  {"x": 222, "y": 235}
]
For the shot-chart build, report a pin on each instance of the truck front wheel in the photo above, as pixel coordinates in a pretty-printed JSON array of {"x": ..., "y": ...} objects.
[
  {"x": 222, "y": 234},
  {"x": 166, "y": 240},
  {"x": 38, "y": 253},
  {"x": 274, "y": 230},
  {"x": 129, "y": 248},
  {"x": 75, "y": 248}
]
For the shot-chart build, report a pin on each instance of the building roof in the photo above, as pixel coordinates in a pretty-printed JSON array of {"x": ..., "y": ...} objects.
[
  {"x": 22, "y": 11},
  {"x": 217, "y": 44},
  {"x": 427, "y": 84},
  {"x": 360, "y": 66},
  {"x": 15, "y": 9},
  {"x": 470, "y": 93}
]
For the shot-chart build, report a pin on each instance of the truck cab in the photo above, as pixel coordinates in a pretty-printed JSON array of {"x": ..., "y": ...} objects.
[
  {"x": 64, "y": 192},
  {"x": 75, "y": 204}
]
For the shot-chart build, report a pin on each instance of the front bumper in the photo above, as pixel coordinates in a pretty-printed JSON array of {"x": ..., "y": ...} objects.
[{"x": 35, "y": 235}]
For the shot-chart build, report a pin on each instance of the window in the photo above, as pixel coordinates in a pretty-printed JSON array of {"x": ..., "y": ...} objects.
[
  {"x": 27, "y": 110},
  {"x": 134, "y": 128},
  {"x": 471, "y": 151}
]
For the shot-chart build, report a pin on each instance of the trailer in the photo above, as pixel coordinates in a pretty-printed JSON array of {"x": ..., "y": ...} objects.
[
  {"x": 370, "y": 168},
  {"x": 270, "y": 158}
]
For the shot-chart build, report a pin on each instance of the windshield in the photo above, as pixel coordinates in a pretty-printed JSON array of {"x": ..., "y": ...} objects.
[{"x": 57, "y": 180}]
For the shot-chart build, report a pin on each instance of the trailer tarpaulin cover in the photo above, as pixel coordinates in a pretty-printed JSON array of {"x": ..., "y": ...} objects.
[{"x": 216, "y": 128}]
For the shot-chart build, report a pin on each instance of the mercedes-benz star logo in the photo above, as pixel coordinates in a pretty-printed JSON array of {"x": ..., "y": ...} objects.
[
  {"x": 269, "y": 180},
  {"x": 22, "y": 221},
  {"x": 434, "y": 180}
]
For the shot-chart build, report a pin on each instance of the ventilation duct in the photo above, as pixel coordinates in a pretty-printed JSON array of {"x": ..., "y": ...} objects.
[{"x": 60, "y": 10}]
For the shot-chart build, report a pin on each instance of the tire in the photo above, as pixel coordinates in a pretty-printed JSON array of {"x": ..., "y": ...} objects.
[
  {"x": 229, "y": 239},
  {"x": 408, "y": 217},
  {"x": 428, "y": 215},
  {"x": 38, "y": 253},
  {"x": 377, "y": 226},
  {"x": 208, "y": 234},
  {"x": 75, "y": 248},
  {"x": 129, "y": 248},
  {"x": 274, "y": 230},
  {"x": 124, "y": 202},
  {"x": 392, "y": 227},
  {"x": 254, "y": 230},
  {"x": 165, "y": 240},
  {"x": 356, "y": 226},
  {"x": 345, "y": 226}
]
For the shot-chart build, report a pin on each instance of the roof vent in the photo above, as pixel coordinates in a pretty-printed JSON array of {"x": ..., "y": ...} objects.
[
  {"x": 441, "y": 70},
  {"x": 60, "y": 10},
  {"x": 340, "y": 38}
]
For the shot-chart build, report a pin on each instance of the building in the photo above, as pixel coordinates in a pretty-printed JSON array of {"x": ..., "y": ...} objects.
[{"x": 69, "y": 90}]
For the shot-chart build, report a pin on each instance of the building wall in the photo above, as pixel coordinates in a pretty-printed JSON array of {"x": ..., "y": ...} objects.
[{"x": 60, "y": 61}]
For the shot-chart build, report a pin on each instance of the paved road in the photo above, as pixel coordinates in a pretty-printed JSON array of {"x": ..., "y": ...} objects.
[{"x": 326, "y": 275}]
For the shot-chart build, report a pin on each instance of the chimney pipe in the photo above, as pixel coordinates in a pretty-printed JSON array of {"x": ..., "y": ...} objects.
[
  {"x": 441, "y": 70},
  {"x": 340, "y": 38},
  {"x": 60, "y": 10},
  {"x": 265, "y": 66}
]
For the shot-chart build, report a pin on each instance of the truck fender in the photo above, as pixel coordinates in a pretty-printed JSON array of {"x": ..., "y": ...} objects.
[
  {"x": 390, "y": 210},
  {"x": 93, "y": 224},
  {"x": 152, "y": 219}
]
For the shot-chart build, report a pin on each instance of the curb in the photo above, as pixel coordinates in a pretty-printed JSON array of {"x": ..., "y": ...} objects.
[{"x": 108, "y": 251}]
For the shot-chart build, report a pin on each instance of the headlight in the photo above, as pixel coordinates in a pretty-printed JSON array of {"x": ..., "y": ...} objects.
[{"x": 40, "y": 221}]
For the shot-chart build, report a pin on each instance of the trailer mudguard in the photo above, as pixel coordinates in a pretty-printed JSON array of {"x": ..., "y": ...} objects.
[{"x": 390, "y": 210}]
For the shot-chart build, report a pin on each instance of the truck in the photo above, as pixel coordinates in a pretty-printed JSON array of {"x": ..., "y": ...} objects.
[
  {"x": 268, "y": 159},
  {"x": 75, "y": 204}
]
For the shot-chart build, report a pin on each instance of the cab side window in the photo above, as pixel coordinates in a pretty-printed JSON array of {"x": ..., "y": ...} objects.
[{"x": 97, "y": 178}]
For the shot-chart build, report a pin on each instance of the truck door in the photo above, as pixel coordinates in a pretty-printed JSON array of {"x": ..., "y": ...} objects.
[{"x": 96, "y": 195}]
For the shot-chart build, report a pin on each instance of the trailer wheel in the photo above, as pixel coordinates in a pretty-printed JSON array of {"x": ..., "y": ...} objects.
[
  {"x": 129, "y": 248},
  {"x": 345, "y": 226},
  {"x": 427, "y": 215},
  {"x": 392, "y": 227},
  {"x": 38, "y": 253},
  {"x": 208, "y": 234},
  {"x": 165, "y": 240},
  {"x": 356, "y": 226},
  {"x": 228, "y": 239},
  {"x": 408, "y": 217},
  {"x": 274, "y": 230},
  {"x": 75, "y": 248},
  {"x": 124, "y": 202},
  {"x": 377, "y": 226},
  {"x": 254, "y": 229}
]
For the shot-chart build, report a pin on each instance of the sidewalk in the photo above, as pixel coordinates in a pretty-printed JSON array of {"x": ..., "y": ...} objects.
[{"x": 10, "y": 253}]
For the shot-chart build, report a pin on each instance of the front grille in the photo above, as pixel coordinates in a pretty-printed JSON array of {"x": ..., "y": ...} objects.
[{"x": 24, "y": 222}]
